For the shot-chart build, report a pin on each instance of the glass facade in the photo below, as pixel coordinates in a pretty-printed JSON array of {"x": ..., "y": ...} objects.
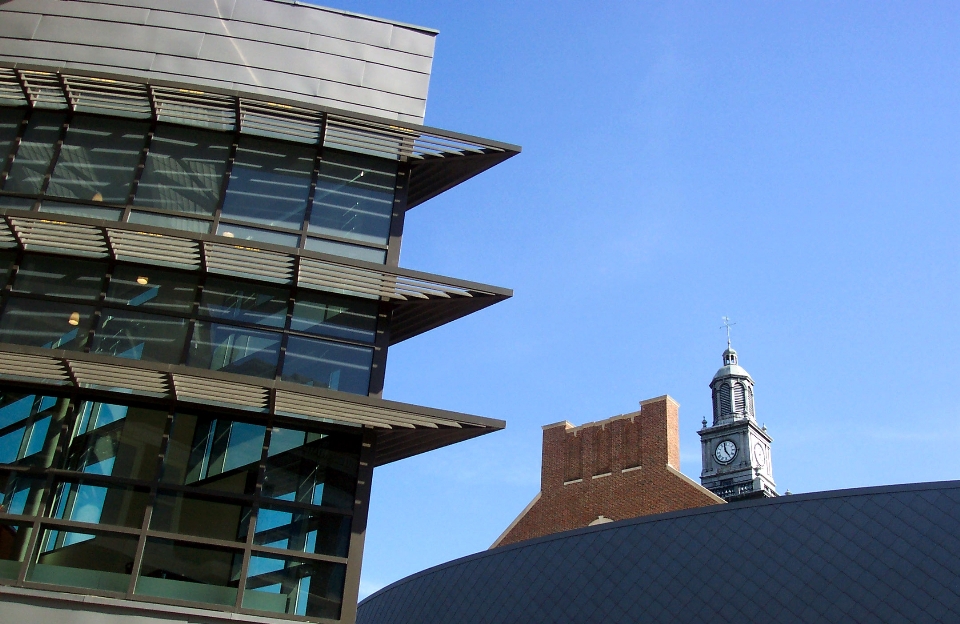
[
  {"x": 195, "y": 180},
  {"x": 192, "y": 508},
  {"x": 177, "y": 317}
]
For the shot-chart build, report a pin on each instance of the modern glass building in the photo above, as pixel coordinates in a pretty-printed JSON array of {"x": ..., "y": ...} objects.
[{"x": 201, "y": 212}]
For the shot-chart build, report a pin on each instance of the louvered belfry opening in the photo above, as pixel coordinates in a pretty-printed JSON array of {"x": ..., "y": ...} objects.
[{"x": 200, "y": 285}]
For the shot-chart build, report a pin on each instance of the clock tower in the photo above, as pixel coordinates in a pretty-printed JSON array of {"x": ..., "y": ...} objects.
[{"x": 736, "y": 450}]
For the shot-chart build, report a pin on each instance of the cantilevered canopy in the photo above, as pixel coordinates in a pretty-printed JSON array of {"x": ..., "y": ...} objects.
[
  {"x": 419, "y": 301},
  {"x": 403, "y": 430},
  {"x": 439, "y": 159}
]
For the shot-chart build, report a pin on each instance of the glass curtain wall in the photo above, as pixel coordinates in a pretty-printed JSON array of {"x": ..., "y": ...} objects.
[
  {"x": 195, "y": 180},
  {"x": 178, "y": 317},
  {"x": 223, "y": 511}
]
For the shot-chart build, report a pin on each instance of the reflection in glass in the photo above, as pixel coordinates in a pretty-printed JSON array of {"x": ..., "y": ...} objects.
[
  {"x": 327, "y": 365},
  {"x": 20, "y": 494},
  {"x": 232, "y": 230},
  {"x": 10, "y": 119},
  {"x": 216, "y": 454},
  {"x": 312, "y": 468},
  {"x": 190, "y": 515},
  {"x": 354, "y": 196},
  {"x": 152, "y": 289},
  {"x": 98, "y": 504},
  {"x": 116, "y": 440},
  {"x": 45, "y": 324},
  {"x": 30, "y": 427},
  {"x": 176, "y": 223},
  {"x": 183, "y": 571},
  {"x": 35, "y": 152},
  {"x": 79, "y": 210},
  {"x": 378, "y": 256},
  {"x": 304, "y": 531},
  {"x": 92, "y": 560},
  {"x": 339, "y": 317},
  {"x": 20, "y": 203},
  {"x": 269, "y": 183},
  {"x": 296, "y": 587},
  {"x": 98, "y": 159},
  {"x": 13, "y": 544},
  {"x": 234, "y": 350},
  {"x": 58, "y": 277},
  {"x": 138, "y": 336},
  {"x": 184, "y": 170},
  {"x": 244, "y": 302}
]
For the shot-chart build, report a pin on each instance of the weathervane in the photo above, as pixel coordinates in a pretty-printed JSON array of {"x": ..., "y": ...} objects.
[{"x": 727, "y": 324}]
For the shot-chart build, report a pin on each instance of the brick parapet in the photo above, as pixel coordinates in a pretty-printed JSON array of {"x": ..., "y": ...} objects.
[{"x": 622, "y": 467}]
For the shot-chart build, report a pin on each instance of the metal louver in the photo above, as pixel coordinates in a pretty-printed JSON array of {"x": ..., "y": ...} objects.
[
  {"x": 60, "y": 237},
  {"x": 367, "y": 136},
  {"x": 7, "y": 239},
  {"x": 214, "y": 391},
  {"x": 108, "y": 97},
  {"x": 156, "y": 249},
  {"x": 280, "y": 121},
  {"x": 248, "y": 262},
  {"x": 108, "y": 376},
  {"x": 295, "y": 404},
  {"x": 34, "y": 367},
  {"x": 338, "y": 278},
  {"x": 11, "y": 93},
  {"x": 195, "y": 108},
  {"x": 43, "y": 89}
]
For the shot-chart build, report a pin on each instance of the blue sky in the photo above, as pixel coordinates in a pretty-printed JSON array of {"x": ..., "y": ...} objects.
[{"x": 794, "y": 165}]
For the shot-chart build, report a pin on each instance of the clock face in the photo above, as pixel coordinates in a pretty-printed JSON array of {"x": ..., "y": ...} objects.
[
  {"x": 726, "y": 451},
  {"x": 758, "y": 455}
]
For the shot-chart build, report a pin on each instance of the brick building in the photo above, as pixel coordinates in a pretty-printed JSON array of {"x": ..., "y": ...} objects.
[{"x": 614, "y": 469}]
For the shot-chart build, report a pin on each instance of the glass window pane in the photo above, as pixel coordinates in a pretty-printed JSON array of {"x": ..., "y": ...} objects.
[
  {"x": 20, "y": 203},
  {"x": 138, "y": 336},
  {"x": 30, "y": 428},
  {"x": 284, "y": 585},
  {"x": 60, "y": 277},
  {"x": 339, "y": 317},
  {"x": 20, "y": 494},
  {"x": 99, "y": 504},
  {"x": 269, "y": 183},
  {"x": 215, "y": 454},
  {"x": 354, "y": 197},
  {"x": 175, "y": 223},
  {"x": 91, "y": 560},
  {"x": 184, "y": 170},
  {"x": 234, "y": 350},
  {"x": 35, "y": 152},
  {"x": 244, "y": 302},
  {"x": 302, "y": 530},
  {"x": 328, "y": 365},
  {"x": 10, "y": 119},
  {"x": 187, "y": 572},
  {"x": 152, "y": 289},
  {"x": 98, "y": 159},
  {"x": 45, "y": 324},
  {"x": 7, "y": 259},
  {"x": 13, "y": 543},
  {"x": 232, "y": 230},
  {"x": 190, "y": 515},
  {"x": 312, "y": 468},
  {"x": 116, "y": 440},
  {"x": 79, "y": 210},
  {"x": 368, "y": 254}
]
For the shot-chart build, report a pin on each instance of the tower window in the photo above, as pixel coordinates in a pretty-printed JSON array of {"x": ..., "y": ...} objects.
[{"x": 739, "y": 398}]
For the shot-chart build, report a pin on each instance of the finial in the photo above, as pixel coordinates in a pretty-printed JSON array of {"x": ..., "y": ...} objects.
[
  {"x": 727, "y": 324},
  {"x": 704, "y": 422}
]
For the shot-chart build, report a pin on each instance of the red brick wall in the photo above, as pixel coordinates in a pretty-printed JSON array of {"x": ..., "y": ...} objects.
[{"x": 591, "y": 470}]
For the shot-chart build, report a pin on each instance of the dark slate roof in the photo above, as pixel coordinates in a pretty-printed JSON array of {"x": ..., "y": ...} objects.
[{"x": 887, "y": 554}]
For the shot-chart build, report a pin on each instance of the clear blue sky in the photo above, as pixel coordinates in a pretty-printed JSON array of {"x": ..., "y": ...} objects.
[{"x": 794, "y": 165}]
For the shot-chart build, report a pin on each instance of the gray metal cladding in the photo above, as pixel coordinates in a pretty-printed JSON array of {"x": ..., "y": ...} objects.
[
  {"x": 889, "y": 554},
  {"x": 273, "y": 48}
]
